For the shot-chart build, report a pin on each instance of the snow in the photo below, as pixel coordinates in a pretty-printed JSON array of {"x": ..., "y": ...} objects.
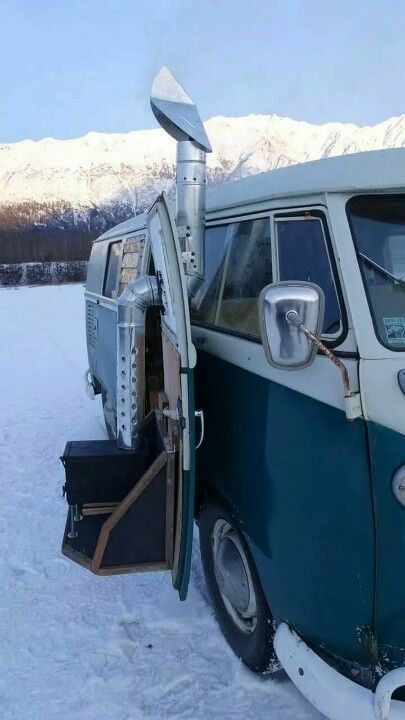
[{"x": 74, "y": 645}]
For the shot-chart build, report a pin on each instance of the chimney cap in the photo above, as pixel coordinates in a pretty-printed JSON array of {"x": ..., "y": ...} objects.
[{"x": 175, "y": 111}]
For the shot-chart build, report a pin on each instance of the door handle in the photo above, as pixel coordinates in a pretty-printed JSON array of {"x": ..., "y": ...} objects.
[{"x": 200, "y": 414}]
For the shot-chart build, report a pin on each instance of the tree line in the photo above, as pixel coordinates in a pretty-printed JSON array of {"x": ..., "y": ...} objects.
[
  {"x": 56, "y": 231},
  {"x": 22, "y": 246},
  {"x": 35, "y": 232}
]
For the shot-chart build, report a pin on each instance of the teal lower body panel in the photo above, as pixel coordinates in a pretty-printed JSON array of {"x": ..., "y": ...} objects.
[
  {"x": 295, "y": 474},
  {"x": 387, "y": 450}
]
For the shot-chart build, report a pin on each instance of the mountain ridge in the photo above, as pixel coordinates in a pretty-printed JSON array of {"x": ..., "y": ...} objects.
[{"x": 101, "y": 168}]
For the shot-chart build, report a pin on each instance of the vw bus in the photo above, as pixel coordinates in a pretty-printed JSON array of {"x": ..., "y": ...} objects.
[{"x": 249, "y": 351}]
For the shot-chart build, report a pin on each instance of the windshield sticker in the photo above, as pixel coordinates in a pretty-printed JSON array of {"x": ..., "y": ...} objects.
[{"x": 395, "y": 330}]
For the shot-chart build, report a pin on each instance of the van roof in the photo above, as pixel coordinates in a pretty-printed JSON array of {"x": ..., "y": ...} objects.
[
  {"x": 372, "y": 171},
  {"x": 366, "y": 171},
  {"x": 138, "y": 222}
]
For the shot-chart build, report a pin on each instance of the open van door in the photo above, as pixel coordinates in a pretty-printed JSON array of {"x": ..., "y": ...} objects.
[
  {"x": 179, "y": 359},
  {"x": 132, "y": 510}
]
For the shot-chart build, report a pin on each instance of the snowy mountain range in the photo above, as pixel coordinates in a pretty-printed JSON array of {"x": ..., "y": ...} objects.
[
  {"x": 100, "y": 167},
  {"x": 99, "y": 179}
]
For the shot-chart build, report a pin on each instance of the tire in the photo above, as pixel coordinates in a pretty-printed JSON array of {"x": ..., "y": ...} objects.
[
  {"x": 110, "y": 418},
  {"x": 223, "y": 548}
]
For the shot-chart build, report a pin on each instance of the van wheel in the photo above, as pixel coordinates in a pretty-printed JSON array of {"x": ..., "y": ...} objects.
[
  {"x": 235, "y": 590},
  {"x": 110, "y": 418}
]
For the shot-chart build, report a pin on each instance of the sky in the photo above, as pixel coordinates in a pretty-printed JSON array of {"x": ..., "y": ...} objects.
[{"x": 68, "y": 67}]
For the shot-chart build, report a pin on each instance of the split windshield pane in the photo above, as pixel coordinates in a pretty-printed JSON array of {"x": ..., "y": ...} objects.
[{"x": 378, "y": 227}]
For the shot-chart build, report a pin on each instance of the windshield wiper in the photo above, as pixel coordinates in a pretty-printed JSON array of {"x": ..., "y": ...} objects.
[{"x": 382, "y": 270}]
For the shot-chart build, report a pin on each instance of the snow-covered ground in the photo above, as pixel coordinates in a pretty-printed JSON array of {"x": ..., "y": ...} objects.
[{"x": 73, "y": 645}]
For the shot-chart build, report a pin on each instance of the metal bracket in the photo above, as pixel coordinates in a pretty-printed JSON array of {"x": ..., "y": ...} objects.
[
  {"x": 176, "y": 415},
  {"x": 183, "y": 231},
  {"x": 188, "y": 258},
  {"x": 171, "y": 414}
]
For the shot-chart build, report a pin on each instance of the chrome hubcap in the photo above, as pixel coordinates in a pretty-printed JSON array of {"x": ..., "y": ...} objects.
[{"x": 233, "y": 576}]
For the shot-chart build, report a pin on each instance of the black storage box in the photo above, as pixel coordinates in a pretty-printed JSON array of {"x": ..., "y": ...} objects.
[{"x": 99, "y": 471}]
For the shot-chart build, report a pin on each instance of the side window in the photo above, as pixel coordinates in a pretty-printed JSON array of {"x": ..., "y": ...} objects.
[
  {"x": 303, "y": 255},
  {"x": 113, "y": 262},
  {"x": 248, "y": 269},
  {"x": 204, "y": 303},
  {"x": 96, "y": 267},
  {"x": 237, "y": 267},
  {"x": 132, "y": 250}
]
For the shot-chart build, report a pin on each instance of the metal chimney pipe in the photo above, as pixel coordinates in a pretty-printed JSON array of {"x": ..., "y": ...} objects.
[
  {"x": 178, "y": 115},
  {"x": 191, "y": 204},
  {"x": 132, "y": 306}
]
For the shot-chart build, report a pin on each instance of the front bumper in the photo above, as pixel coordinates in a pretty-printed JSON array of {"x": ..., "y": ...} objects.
[{"x": 334, "y": 695}]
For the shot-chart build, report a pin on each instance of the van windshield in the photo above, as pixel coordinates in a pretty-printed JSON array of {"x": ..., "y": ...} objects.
[{"x": 378, "y": 227}]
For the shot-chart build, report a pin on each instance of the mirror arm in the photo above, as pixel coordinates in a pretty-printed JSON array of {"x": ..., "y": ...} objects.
[
  {"x": 339, "y": 364},
  {"x": 352, "y": 399}
]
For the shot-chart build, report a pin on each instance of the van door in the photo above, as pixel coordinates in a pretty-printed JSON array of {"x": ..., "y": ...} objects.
[
  {"x": 179, "y": 358},
  {"x": 134, "y": 510}
]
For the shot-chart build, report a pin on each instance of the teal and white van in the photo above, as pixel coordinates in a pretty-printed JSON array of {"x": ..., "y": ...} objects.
[{"x": 265, "y": 327}]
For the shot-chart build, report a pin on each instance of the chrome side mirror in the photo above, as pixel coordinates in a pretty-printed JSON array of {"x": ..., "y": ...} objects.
[
  {"x": 291, "y": 320},
  {"x": 285, "y": 308}
]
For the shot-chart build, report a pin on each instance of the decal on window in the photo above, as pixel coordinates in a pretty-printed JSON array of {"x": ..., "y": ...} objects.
[{"x": 395, "y": 330}]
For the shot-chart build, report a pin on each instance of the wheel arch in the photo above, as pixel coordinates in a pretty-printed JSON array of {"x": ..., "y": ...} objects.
[{"x": 206, "y": 492}]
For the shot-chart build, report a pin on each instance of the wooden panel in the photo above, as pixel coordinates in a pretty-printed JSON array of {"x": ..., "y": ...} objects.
[
  {"x": 128, "y": 275},
  {"x": 98, "y": 509},
  {"x": 120, "y": 570},
  {"x": 123, "y": 508},
  {"x": 131, "y": 259},
  {"x": 171, "y": 369}
]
